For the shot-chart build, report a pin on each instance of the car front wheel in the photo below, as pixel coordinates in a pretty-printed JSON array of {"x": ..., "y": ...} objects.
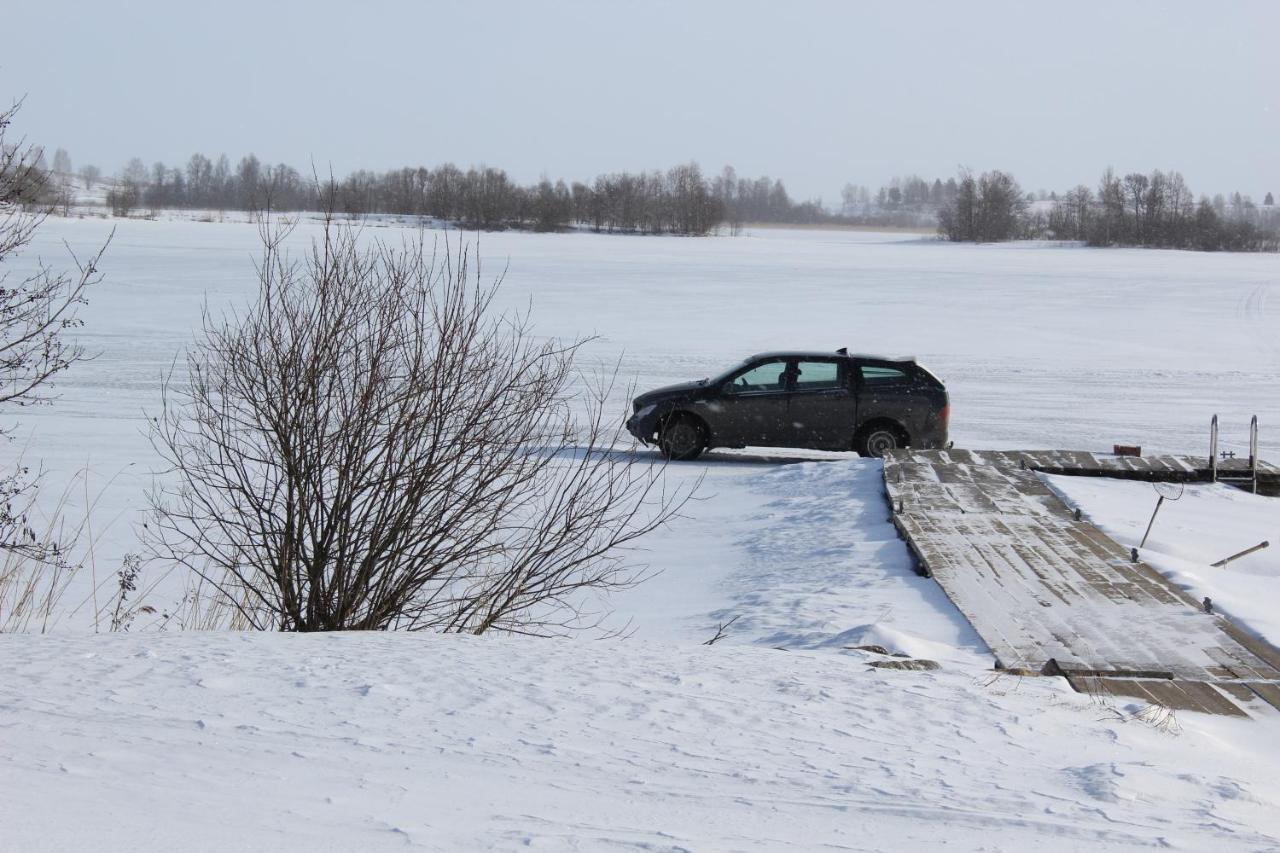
[
  {"x": 681, "y": 438},
  {"x": 877, "y": 441}
]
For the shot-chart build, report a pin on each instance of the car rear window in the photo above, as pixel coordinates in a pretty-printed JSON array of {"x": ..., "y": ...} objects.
[
  {"x": 875, "y": 375},
  {"x": 817, "y": 375}
]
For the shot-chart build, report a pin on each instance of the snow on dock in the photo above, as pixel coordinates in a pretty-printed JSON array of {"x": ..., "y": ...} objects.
[{"x": 1052, "y": 595}]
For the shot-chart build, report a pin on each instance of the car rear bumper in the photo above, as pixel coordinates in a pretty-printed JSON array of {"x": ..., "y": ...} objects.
[{"x": 932, "y": 437}]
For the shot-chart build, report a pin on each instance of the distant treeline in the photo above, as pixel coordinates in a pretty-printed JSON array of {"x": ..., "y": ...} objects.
[
  {"x": 1155, "y": 211},
  {"x": 680, "y": 200},
  {"x": 1159, "y": 210},
  {"x": 677, "y": 201}
]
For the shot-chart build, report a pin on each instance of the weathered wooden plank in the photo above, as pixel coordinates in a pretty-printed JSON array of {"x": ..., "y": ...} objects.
[
  {"x": 1237, "y": 690},
  {"x": 1244, "y": 666},
  {"x": 1112, "y": 687},
  {"x": 1166, "y": 694},
  {"x": 1050, "y": 593},
  {"x": 1209, "y": 700},
  {"x": 1267, "y": 692},
  {"x": 1175, "y": 694},
  {"x": 1268, "y": 654}
]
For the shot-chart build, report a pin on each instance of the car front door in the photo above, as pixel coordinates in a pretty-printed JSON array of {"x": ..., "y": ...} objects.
[
  {"x": 752, "y": 407},
  {"x": 822, "y": 411}
]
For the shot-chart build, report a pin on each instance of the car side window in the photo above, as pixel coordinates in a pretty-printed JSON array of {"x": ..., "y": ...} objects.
[
  {"x": 875, "y": 375},
  {"x": 817, "y": 376},
  {"x": 770, "y": 376}
]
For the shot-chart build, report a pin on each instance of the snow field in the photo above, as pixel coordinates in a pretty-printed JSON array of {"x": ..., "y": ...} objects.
[
  {"x": 1041, "y": 346},
  {"x": 370, "y": 742}
]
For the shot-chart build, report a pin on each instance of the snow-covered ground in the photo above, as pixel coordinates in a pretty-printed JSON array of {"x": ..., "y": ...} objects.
[
  {"x": 780, "y": 735},
  {"x": 223, "y": 742}
]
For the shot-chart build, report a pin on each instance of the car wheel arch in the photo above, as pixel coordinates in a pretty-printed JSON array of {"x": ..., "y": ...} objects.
[
  {"x": 867, "y": 428},
  {"x": 677, "y": 412}
]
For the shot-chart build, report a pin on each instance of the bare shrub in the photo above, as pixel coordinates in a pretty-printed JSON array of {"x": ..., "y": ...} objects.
[
  {"x": 35, "y": 312},
  {"x": 372, "y": 445}
]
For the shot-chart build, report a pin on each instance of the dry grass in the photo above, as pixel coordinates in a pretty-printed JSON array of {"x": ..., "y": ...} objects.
[
  {"x": 209, "y": 606},
  {"x": 34, "y": 589}
]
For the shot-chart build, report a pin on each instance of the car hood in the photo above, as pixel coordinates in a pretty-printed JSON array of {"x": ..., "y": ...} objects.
[{"x": 669, "y": 392}]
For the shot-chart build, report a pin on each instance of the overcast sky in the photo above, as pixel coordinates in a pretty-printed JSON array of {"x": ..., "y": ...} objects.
[{"x": 816, "y": 93}]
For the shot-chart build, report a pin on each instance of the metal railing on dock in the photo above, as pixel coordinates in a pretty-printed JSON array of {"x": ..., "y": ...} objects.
[{"x": 1235, "y": 476}]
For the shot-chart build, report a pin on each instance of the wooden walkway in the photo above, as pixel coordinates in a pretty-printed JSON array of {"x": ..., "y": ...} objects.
[
  {"x": 1052, "y": 595},
  {"x": 1161, "y": 469}
]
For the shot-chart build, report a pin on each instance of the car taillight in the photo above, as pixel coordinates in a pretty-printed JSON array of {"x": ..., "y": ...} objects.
[{"x": 946, "y": 414}]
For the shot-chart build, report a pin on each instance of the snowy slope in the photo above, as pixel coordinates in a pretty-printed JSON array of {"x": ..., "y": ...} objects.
[
  {"x": 802, "y": 556},
  {"x": 372, "y": 742},
  {"x": 780, "y": 736}
]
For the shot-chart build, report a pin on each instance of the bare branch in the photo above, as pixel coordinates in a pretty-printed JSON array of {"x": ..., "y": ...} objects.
[{"x": 373, "y": 445}]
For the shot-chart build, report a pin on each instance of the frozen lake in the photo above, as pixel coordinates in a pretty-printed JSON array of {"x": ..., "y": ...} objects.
[
  {"x": 1040, "y": 345},
  {"x": 323, "y": 739}
]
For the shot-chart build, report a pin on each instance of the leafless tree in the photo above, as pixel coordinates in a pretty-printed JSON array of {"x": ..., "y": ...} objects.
[
  {"x": 958, "y": 218},
  {"x": 989, "y": 209},
  {"x": 36, "y": 310},
  {"x": 90, "y": 175},
  {"x": 61, "y": 183},
  {"x": 1135, "y": 187},
  {"x": 372, "y": 446},
  {"x": 1072, "y": 213}
]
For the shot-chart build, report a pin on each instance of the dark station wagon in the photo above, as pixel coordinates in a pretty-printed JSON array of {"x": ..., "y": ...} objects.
[{"x": 811, "y": 400}]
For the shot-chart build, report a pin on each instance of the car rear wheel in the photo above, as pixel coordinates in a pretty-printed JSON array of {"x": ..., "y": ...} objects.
[
  {"x": 682, "y": 438},
  {"x": 878, "y": 440}
]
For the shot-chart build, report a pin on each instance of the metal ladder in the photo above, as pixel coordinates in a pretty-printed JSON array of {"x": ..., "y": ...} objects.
[{"x": 1248, "y": 476}]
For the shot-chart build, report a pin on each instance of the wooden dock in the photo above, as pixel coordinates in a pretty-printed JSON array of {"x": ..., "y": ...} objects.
[
  {"x": 1152, "y": 469},
  {"x": 1052, "y": 595}
]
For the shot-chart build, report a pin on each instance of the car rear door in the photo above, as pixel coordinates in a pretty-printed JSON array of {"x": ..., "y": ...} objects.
[
  {"x": 888, "y": 390},
  {"x": 822, "y": 409}
]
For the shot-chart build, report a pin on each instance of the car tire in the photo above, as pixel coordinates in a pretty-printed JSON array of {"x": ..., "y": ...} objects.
[
  {"x": 682, "y": 438},
  {"x": 877, "y": 440}
]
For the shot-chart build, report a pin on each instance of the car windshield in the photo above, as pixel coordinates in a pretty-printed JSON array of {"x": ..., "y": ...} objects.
[
  {"x": 724, "y": 377},
  {"x": 769, "y": 376}
]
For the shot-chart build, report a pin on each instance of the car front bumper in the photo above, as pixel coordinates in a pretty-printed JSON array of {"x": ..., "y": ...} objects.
[{"x": 644, "y": 424}]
